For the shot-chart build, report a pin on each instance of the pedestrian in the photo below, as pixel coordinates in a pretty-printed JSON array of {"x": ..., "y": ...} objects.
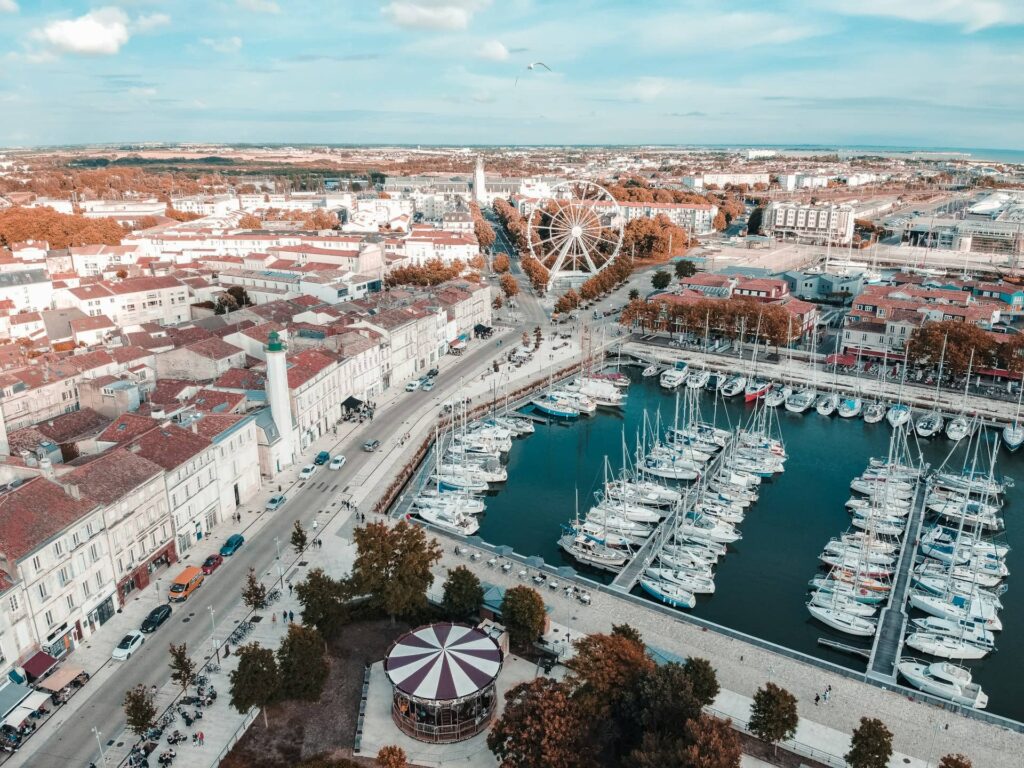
[
  {"x": 827, "y": 692},
  {"x": 291, "y": 617},
  {"x": 284, "y": 616},
  {"x": 273, "y": 618},
  {"x": 817, "y": 698},
  {"x": 202, "y": 739},
  {"x": 290, "y": 588},
  {"x": 153, "y": 690}
]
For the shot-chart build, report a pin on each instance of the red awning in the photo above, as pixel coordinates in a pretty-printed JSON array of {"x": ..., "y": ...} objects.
[
  {"x": 39, "y": 665},
  {"x": 999, "y": 373},
  {"x": 840, "y": 359},
  {"x": 893, "y": 356}
]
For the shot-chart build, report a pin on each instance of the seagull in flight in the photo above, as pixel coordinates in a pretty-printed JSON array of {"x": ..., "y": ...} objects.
[{"x": 534, "y": 66}]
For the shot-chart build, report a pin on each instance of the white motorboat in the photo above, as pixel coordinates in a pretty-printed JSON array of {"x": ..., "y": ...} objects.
[
  {"x": 670, "y": 468},
  {"x": 704, "y": 527},
  {"x": 719, "y": 512},
  {"x": 940, "y": 535},
  {"x": 734, "y": 385},
  {"x": 946, "y": 647},
  {"x": 672, "y": 378},
  {"x": 698, "y": 583},
  {"x": 555, "y": 406},
  {"x": 977, "y": 607},
  {"x": 644, "y": 492},
  {"x": 492, "y": 474},
  {"x": 688, "y": 559},
  {"x": 460, "y": 481},
  {"x": 867, "y": 553},
  {"x": 635, "y": 512},
  {"x": 683, "y": 543},
  {"x": 843, "y": 603},
  {"x": 898, "y": 415},
  {"x": 850, "y": 407},
  {"x": 651, "y": 370},
  {"x": 578, "y": 400},
  {"x": 968, "y": 630},
  {"x": 451, "y": 502},
  {"x": 843, "y": 621},
  {"x": 827, "y": 404},
  {"x": 698, "y": 379},
  {"x": 959, "y": 428},
  {"x": 857, "y": 593},
  {"x": 929, "y": 424},
  {"x": 1013, "y": 436},
  {"x": 601, "y": 391},
  {"x": 801, "y": 400},
  {"x": 945, "y": 680},
  {"x": 874, "y": 412},
  {"x": 454, "y": 522},
  {"x": 671, "y": 594}
]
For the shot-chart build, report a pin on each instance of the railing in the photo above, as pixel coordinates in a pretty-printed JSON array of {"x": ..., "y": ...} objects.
[
  {"x": 242, "y": 728},
  {"x": 790, "y": 745}
]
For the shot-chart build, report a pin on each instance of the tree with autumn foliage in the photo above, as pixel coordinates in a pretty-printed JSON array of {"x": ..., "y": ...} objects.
[
  {"x": 501, "y": 263},
  {"x": 509, "y": 286},
  {"x": 656, "y": 239},
  {"x": 541, "y": 727},
  {"x": 537, "y": 273},
  {"x": 734, "y": 318},
  {"x": 705, "y": 743},
  {"x": 393, "y": 567},
  {"x": 482, "y": 228},
  {"x": 961, "y": 339},
  {"x": 250, "y": 221},
  {"x": 392, "y": 757},
  {"x": 60, "y": 230},
  {"x": 478, "y": 262},
  {"x": 567, "y": 302},
  {"x": 432, "y": 272},
  {"x": 955, "y": 761},
  {"x": 870, "y": 745}
]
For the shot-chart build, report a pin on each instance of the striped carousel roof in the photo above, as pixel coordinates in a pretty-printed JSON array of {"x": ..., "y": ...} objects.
[{"x": 443, "y": 662}]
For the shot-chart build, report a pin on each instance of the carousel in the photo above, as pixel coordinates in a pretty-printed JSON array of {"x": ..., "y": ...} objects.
[{"x": 442, "y": 678}]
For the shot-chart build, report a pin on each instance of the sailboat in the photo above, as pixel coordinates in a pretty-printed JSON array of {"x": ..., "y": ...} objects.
[
  {"x": 931, "y": 423},
  {"x": 651, "y": 370},
  {"x": 670, "y": 594},
  {"x": 1013, "y": 433},
  {"x": 844, "y": 621},
  {"x": 827, "y": 404},
  {"x": 899, "y": 413},
  {"x": 587, "y": 549},
  {"x": 699, "y": 378},
  {"x": 960, "y": 427},
  {"x": 874, "y": 411}
]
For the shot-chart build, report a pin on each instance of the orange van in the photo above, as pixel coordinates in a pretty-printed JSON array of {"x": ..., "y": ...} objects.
[{"x": 187, "y": 582}]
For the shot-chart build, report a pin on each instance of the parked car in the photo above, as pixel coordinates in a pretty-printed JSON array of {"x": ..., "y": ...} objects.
[
  {"x": 428, "y": 385},
  {"x": 185, "y": 583},
  {"x": 371, "y": 445},
  {"x": 433, "y": 373},
  {"x": 412, "y": 386},
  {"x": 338, "y": 461},
  {"x": 212, "y": 563},
  {"x": 322, "y": 458},
  {"x": 307, "y": 472},
  {"x": 275, "y": 502},
  {"x": 232, "y": 545},
  {"x": 156, "y": 617},
  {"x": 129, "y": 644}
]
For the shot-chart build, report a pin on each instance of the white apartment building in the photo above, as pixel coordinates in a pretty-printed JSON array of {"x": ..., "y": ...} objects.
[
  {"x": 53, "y": 551},
  {"x": 206, "y": 205},
  {"x": 92, "y": 260},
  {"x": 137, "y": 521},
  {"x": 122, "y": 210},
  {"x": 363, "y": 361},
  {"x": 794, "y": 181},
  {"x": 134, "y": 301},
  {"x": 720, "y": 180},
  {"x": 810, "y": 223},
  {"x": 424, "y": 244},
  {"x": 317, "y": 387},
  {"x": 235, "y": 442},
  {"x": 397, "y": 329},
  {"x": 695, "y": 218},
  {"x": 30, "y": 290}
]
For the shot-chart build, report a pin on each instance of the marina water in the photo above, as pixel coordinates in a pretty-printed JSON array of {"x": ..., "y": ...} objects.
[{"x": 761, "y": 584}]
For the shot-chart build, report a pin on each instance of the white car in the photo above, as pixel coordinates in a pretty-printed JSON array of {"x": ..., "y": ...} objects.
[
  {"x": 412, "y": 386},
  {"x": 307, "y": 472},
  {"x": 129, "y": 644},
  {"x": 338, "y": 461}
]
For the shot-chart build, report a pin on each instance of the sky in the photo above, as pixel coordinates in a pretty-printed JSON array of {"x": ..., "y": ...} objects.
[{"x": 922, "y": 73}]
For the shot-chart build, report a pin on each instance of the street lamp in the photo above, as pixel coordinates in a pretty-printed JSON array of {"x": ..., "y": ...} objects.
[
  {"x": 97, "y": 733},
  {"x": 277, "y": 541},
  {"x": 213, "y": 623}
]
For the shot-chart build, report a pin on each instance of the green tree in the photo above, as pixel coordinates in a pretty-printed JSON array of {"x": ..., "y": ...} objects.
[
  {"x": 773, "y": 716},
  {"x": 523, "y": 614},
  {"x": 629, "y": 632},
  {"x": 870, "y": 745},
  {"x": 955, "y": 761},
  {"x": 324, "y": 602},
  {"x": 393, "y": 567},
  {"x": 302, "y": 664},
  {"x": 705, "y": 742},
  {"x": 463, "y": 594},
  {"x": 255, "y": 681},
  {"x": 703, "y": 679},
  {"x": 661, "y": 279},
  {"x": 240, "y": 295},
  {"x": 392, "y": 757},
  {"x": 665, "y": 698},
  {"x": 299, "y": 538},
  {"x": 634, "y": 294},
  {"x": 540, "y": 728},
  {"x": 685, "y": 268},
  {"x": 139, "y": 710},
  {"x": 254, "y": 593},
  {"x": 183, "y": 669}
]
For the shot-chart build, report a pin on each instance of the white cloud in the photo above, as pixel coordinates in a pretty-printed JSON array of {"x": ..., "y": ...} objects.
[
  {"x": 151, "y": 21},
  {"x": 493, "y": 50},
  {"x": 8, "y": 6},
  {"x": 98, "y": 33},
  {"x": 972, "y": 15},
  {"x": 648, "y": 88},
  {"x": 259, "y": 6},
  {"x": 726, "y": 31},
  {"x": 433, "y": 14},
  {"x": 142, "y": 92},
  {"x": 223, "y": 44}
]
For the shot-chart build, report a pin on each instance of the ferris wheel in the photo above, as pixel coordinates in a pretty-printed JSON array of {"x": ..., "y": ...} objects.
[{"x": 576, "y": 231}]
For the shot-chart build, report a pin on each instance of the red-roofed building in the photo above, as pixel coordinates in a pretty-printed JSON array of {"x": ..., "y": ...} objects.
[
  {"x": 133, "y": 301},
  {"x": 200, "y": 361}
]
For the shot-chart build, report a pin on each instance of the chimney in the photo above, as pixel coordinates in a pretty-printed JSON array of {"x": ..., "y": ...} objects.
[
  {"x": 134, "y": 447},
  {"x": 72, "y": 490}
]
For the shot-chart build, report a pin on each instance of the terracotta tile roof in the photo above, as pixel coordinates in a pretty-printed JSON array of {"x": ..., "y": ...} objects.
[
  {"x": 111, "y": 475},
  {"x": 34, "y": 512},
  {"x": 130, "y": 354},
  {"x": 214, "y": 424},
  {"x": 140, "y": 284},
  {"x": 170, "y": 446},
  {"x": 127, "y": 427},
  {"x": 262, "y": 331},
  {"x": 214, "y": 349},
  {"x": 182, "y": 337},
  {"x": 97, "y": 323},
  {"x": 240, "y": 378},
  {"x": 216, "y": 400},
  {"x": 66, "y": 427},
  {"x": 304, "y": 365},
  {"x": 170, "y": 391}
]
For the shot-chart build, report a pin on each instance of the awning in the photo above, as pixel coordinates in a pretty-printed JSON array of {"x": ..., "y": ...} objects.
[
  {"x": 458, "y": 344},
  {"x": 352, "y": 403},
  {"x": 11, "y": 695},
  {"x": 999, "y": 373},
  {"x": 26, "y": 709},
  {"x": 60, "y": 679},
  {"x": 39, "y": 665},
  {"x": 840, "y": 359},
  {"x": 35, "y": 700},
  {"x": 481, "y": 328}
]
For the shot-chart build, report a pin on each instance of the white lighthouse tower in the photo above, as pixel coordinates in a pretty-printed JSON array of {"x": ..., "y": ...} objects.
[
  {"x": 479, "y": 182},
  {"x": 278, "y": 397}
]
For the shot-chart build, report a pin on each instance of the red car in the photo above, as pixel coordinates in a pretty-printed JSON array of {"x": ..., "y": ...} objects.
[{"x": 212, "y": 563}]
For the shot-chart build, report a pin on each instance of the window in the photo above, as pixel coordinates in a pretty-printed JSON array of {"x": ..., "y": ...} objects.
[
  {"x": 99, "y": 579},
  {"x": 75, "y": 540},
  {"x": 43, "y": 593},
  {"x": 86, "y": 589},
  {"x": 14, "y": 603},
  {"x": 65, "y": 575},
  {"x": 48, "y": 618},
  {"x": 71, "y": 602},
  {"x": 94, "y": 552}
]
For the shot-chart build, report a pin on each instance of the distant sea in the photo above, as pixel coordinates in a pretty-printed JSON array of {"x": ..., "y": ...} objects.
[{"x": 931, "y": 153}]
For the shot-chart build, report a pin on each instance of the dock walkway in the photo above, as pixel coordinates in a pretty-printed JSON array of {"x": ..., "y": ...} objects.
[{"x": 888, "y": 644}]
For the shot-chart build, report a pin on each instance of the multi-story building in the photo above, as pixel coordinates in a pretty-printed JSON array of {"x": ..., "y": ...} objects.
[
  {"x": 29, "y": 290},
  {"x": 124, "y": 211},
  {"x": 234, "y": 440},
  {"x": 722, "y": 180},
  {"x": 206, "y": 205},
  {"x": 809, "y": 223},
  {"x": 134, "y": 301},
  {"x": 92, "y": 260}
]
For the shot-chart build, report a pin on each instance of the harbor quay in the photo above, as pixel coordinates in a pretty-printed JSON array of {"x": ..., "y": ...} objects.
[
  {"x": 923, "y": 732},
  {"x": 797, "y": 372}
]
